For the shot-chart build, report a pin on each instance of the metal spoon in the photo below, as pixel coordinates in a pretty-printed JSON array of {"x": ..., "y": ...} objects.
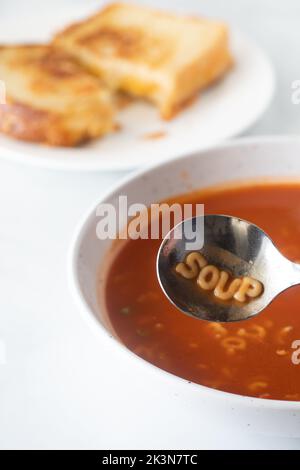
[{"x": 232, "y": 244}]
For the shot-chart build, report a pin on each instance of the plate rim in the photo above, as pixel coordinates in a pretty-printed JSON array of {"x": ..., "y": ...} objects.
[{"x": 104, "y": 164}]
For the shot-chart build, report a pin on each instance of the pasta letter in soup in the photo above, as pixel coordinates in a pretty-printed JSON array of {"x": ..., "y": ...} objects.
[
  {"x": 250, "y": 287},
  {"x": 223, "y": 293},
  {"x": 193, "y": 264},
  {"x": 208, "y": 277},
  {"x": 211, "y": 278}
]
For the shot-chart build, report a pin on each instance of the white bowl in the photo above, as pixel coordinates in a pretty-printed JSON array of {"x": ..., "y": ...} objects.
[{"x": 244, "y": 159}]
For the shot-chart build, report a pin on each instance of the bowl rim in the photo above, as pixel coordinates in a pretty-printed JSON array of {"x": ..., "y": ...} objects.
[{"x": 110, "y": 340}]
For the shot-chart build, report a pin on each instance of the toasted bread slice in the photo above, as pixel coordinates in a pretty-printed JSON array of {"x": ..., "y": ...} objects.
[
  {"x": 151, "y": 54},
  {"x": 50, "y": 98}
]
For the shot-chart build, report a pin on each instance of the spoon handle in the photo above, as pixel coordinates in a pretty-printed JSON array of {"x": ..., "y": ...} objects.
[
  {"x": 295, "y": 278},
  {"x": 286, "y": 275}
]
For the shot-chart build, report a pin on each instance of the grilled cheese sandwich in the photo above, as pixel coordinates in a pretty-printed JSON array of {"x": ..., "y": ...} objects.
[
  {"x": 150, "y": 54},
  {"x": 50, "y": 98}
]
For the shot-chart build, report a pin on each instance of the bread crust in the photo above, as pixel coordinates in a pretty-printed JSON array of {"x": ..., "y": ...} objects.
[
  {"x": 23, "y": 122},
  {"x": 50, "y": 98},
  {"x": 136, "y": 50},
  {"x": 197, "y": 76}
]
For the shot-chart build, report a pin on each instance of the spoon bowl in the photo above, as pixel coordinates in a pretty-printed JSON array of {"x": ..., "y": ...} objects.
[{"x": 233, "y": 245}]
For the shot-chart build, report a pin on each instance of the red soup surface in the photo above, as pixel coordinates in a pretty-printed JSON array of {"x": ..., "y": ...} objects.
[{"x": 253, "y": 357}]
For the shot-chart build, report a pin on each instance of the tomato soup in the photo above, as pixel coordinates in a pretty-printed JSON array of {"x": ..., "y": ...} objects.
[{"x": 253, "y": 357}]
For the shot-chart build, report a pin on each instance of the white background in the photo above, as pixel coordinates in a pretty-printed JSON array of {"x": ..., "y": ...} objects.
[{"x": 59, "y": 387}]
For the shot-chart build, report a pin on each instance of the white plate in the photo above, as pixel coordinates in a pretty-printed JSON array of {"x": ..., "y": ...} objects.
[{"x": 223, "y": 111}]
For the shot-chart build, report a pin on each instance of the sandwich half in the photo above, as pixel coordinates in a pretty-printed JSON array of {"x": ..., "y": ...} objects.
[
  {"x": 50, "y": 98},
  {"x": 151, "y": 54}
]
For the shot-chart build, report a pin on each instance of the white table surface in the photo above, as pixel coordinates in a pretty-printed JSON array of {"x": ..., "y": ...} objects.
[{"x": 59, "y": 387}]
